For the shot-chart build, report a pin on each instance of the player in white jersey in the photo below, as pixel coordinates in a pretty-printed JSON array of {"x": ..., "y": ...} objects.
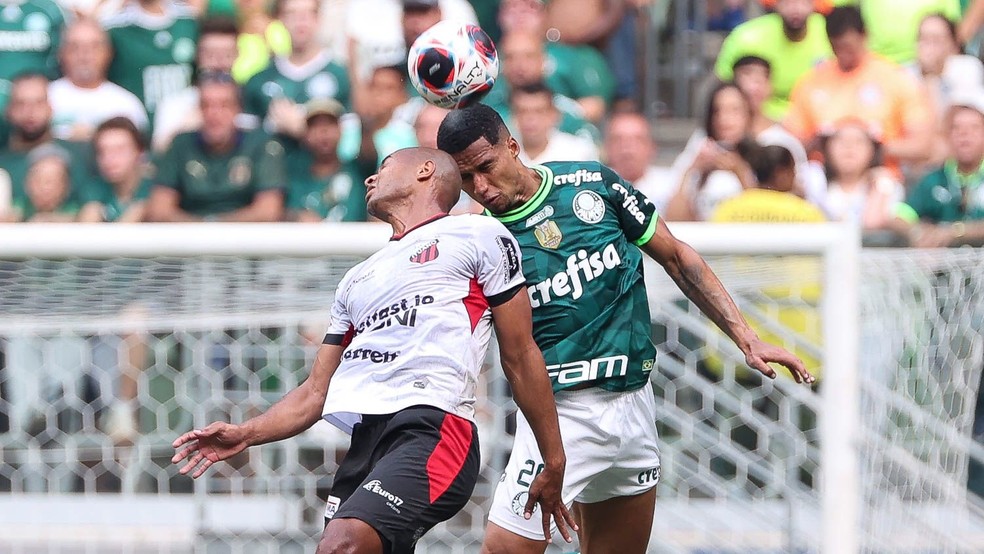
[{"x": 399, "y": 365}]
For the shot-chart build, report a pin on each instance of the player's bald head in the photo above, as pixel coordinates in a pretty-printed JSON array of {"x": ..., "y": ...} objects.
[{"x": 435, "y": 167}]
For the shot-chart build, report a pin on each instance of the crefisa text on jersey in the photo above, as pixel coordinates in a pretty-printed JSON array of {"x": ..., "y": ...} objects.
[
  {"x": 590, "y": 266},
  {"x": 578, "y": 177}
]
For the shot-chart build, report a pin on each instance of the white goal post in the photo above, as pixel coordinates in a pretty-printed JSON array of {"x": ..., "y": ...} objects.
[{"x": 837, "y": 246}]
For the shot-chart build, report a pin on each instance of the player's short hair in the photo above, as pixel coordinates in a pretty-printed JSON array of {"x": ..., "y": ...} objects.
[
  {"x": 219, "y": 26},
  {"x": 461, "y": 128},
  {"x": 121, "y": 123},
  {"x": 843, "y": 19},
  {"x": 748, "y": 61}
]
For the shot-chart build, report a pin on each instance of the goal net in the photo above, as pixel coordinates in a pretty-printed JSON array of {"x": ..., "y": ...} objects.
[{"x": 115, "y": 339}]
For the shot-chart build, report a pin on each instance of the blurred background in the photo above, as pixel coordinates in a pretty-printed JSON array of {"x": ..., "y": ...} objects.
[{"x": 220, "y": 113}]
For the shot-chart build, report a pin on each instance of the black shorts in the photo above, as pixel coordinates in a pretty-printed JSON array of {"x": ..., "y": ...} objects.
[{"x": 405, "y": 473}]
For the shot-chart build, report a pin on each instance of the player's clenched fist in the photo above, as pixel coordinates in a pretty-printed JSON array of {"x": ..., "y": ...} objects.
[{"x": 203, "y": 447}]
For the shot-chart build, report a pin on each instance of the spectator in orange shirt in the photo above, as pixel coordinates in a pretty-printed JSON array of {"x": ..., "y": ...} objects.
[{"x": 860, "y": 84}]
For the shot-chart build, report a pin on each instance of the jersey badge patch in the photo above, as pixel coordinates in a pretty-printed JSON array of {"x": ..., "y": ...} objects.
[
  {"x": 588, "y": 206},
  {"x": 548, "y": 234},
  {"x": 539, "y": 216},
  {"x": 428, "y": 252}
]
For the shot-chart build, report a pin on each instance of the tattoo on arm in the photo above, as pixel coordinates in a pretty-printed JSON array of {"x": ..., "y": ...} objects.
[{"x": 698, "y": 283}]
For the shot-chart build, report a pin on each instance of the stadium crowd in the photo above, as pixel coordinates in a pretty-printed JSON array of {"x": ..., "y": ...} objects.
[
  {"x": 155, "y": 110},
  {"x": 869, "y": 111}
]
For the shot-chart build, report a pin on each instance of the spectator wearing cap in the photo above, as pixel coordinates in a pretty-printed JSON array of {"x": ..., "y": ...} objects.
[
  {"x": 125, "y": 182},
  {"x": 539, "y": 138},
  {"x": 84, "y": 98},
  {"x": 946, "y": 208},
  {"x": 630, "y": 149},
  {"x": 220, "y": 172},
  {"x": 47, "y": 187},
  {"x": 29, "y": 115},
  {"x": 322, "y": 186},
  {"x": 217, "y": 53},
  {"x": 277, "y": 94},
  {"x": 860, "y": 84},
  {"x": 792, "y": 40},
  {"x": 154, "y": 45},
  {"x": 859, "y": 190}
]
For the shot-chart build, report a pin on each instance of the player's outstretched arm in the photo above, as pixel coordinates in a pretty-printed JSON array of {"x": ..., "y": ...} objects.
[
  {"x": 291, "y": 415},
  {"x": 523, "y": 365},
  {"x": 696, "y": 280}
]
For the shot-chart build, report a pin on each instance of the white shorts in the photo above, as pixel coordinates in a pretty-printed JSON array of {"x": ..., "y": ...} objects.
[{"x": 610, "y": 441}]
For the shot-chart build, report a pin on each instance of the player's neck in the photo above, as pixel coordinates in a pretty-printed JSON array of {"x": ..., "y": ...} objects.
[
  {"x": 411, "y": 216},
  {"x": 325, "y": 167},
  {"x": 535, "y": 148},
  {"x": 154, "y": 7}
]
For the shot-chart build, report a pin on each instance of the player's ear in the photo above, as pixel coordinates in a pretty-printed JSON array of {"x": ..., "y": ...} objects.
[
  {"x": 513, "y": 146},
  {"x": 426, "y": 170}
]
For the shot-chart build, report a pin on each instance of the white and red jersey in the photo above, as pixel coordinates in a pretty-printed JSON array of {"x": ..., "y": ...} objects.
[{"x": 415, "y": 318}]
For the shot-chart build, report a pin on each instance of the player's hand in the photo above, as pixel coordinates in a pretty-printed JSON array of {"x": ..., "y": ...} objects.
[
  {"x": 545, "y": 491},
  {"x": 761, "y": 353},
  {"x": 204, "y": 447}
]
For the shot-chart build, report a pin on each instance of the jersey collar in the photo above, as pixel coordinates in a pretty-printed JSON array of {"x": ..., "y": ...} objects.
[
  {"x": 528, "y": 207},
  {"x": 406, "y": 232}
]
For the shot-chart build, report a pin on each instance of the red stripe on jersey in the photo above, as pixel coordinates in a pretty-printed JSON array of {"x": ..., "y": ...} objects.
[
  {"x": 449, "y": 455},
  {"x": 348, "y": 336},
  {"x": 475, "y": 303}
]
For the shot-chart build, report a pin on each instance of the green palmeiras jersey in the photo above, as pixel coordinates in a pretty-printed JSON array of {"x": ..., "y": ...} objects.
[
  {"x": 30, "y": 33},
  {"x": 153, "y": 54},
  {"x": 579, "y": 235}
]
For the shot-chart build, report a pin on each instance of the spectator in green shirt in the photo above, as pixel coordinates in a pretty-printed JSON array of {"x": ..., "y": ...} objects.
[
  {"x": 124, "y": 183},
  {"x": 793, "y": 40},
  {"x": 29, "y": 114},
  {"x": 322, "y": 187},
  {"x": 219, "y": 173},
  {"x": 946, "y": 208},
  {"x": 47, "y": 188}
]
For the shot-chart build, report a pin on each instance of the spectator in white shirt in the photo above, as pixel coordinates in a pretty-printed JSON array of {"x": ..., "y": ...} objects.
[
  {"x": 630, "y": 150},
  {"x": 536, "y": 119},
  {"x": 83, "y": 98}
]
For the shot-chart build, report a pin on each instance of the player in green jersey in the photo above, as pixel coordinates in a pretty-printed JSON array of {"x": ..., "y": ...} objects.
[
  {"x": 581, "y": 228},
  {"x": 154, "y": 44}
]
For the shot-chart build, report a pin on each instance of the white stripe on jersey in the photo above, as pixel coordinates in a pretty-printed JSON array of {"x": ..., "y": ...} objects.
[{"x": 419, "y": 318}]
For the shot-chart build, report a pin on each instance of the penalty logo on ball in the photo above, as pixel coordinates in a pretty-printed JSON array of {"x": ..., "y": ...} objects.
[{"x": 453, "y": 65}]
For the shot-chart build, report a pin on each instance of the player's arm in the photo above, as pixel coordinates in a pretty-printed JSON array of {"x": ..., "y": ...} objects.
[
  {"x": 696, "y": 280},
  {"x": 164, "y": 206},
  {"x": 290, "y": 416},
  {"x": 524, "y": 367}
]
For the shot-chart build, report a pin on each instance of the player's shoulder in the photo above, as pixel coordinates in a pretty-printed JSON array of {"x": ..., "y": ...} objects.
[
  {"x": 579, "y": 174},
  {"x": 474, "y": 225}
]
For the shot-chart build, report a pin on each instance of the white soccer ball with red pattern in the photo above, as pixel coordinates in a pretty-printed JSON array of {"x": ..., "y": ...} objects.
[{"x": 453, "y": 65}]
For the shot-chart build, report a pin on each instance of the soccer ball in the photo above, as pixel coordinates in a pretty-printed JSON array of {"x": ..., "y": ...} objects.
[{"x": 453, "y": 65}]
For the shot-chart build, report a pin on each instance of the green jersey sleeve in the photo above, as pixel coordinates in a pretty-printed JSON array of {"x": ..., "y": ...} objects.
[{"x": 636, "y": 214}]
